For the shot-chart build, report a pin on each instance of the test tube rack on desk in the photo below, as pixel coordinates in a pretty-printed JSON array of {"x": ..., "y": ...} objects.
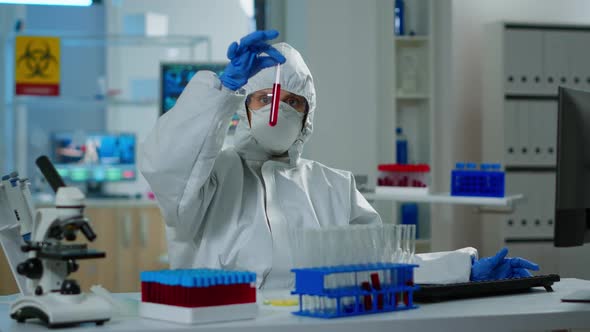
[
  {"x": 198, "y": 295},
  {"x": 335, "y": 291}
]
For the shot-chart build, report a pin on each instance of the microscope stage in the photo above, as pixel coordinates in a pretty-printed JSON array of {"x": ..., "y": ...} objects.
[{"x": 67, "y": 254}]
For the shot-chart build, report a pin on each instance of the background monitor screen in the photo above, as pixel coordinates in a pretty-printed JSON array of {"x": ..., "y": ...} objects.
[
  {"x": 175, "y": 77},
  {"x": 103, "y": 157},
  {"x": 572, "y": 206}
]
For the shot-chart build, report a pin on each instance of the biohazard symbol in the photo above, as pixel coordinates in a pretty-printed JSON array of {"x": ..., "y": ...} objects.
[{"x": 37, "y": 60}]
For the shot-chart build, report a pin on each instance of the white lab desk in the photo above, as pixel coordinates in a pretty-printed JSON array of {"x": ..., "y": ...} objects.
[{"x": 535, "y": 311}]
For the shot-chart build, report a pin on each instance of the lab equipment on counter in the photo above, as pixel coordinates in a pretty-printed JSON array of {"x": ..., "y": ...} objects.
[
  {"x": 51, "y": 297},
  {"x": 409, "y": 179},
  {"x": 390, "y": 288},
  {"x": 16, "y": 221},
  {"x": 276, "y": 99},
  {"x": 198, "y": 295},
  {"x": 16, "y": 196},
  {"x": 281, "y": 302},
  {"x": 401, "y": 147},
  {"x": 347, "y": 263},
  {"x": 468, "y": 180},
  {"x": 352, "y": 244},
  {"x": 473, "y": 289}
]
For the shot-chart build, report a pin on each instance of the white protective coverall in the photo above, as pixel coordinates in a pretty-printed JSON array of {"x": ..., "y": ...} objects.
[{"x": 232, "y": 208}]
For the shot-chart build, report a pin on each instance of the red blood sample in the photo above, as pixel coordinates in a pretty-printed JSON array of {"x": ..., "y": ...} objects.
[
  {"x": 276, "y": 100},
  {"x": 368, "y": 301},
  {"x": 377, "y": 286}
]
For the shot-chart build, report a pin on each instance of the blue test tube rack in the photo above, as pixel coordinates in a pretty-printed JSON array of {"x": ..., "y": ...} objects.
[
  {"x": 395, "y": 293},
  {"x": 486, "y": 181}
]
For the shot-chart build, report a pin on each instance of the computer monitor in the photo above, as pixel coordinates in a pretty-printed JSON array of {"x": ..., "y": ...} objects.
[
  {"x": 94, "y": 158},
  {"x": 572, "y": 206},
  {"x": 175, "y": 77}
]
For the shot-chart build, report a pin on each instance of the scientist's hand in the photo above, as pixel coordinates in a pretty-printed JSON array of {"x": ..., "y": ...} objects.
[
  {"x": 245, "y": 58},
  {"x": 500, "y": 267}
]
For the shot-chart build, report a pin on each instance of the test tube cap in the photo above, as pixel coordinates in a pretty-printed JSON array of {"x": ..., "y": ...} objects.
[
  {"x": 496, "y": 167},
  {"x": 460, "y": 165},
  {"x": 471, "y": 166},
  {"x": 485, "y": 167}
]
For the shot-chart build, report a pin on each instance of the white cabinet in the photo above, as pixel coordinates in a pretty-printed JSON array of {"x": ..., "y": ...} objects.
[
  {"x": 579, "y": 55},
  {"x": 530, "y": 132},
  {"x": 523, "y": 67},
  {"x": 414, "y": 93},
  {"x": 523, "y": 63}
]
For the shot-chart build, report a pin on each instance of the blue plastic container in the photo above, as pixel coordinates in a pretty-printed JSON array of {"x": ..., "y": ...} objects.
[
  {"x": 409, "y": 215},
  {"x": 401, "y": 147},
  {"x": 393, "y": 293},
  {"x": 399, "y": 18},
  {"x": 487, "y": 181}
]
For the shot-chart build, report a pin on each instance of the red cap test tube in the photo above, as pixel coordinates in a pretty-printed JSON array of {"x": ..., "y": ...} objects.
[{"x": 276, "y": 99}]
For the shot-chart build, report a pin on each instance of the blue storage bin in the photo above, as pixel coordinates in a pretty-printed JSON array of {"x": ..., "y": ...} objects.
[{"x": 487, "y": 181}]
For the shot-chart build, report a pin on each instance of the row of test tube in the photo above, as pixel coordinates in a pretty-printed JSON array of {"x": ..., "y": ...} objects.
[
  {"x": 350, "y": 245},
  {"x": 354, "y": 244}
]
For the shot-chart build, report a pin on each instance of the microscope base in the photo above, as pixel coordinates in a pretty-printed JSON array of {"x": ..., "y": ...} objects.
[{"x": 57, "y": 310}]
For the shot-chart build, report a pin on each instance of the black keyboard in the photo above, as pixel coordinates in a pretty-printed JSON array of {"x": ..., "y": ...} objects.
[{"x": 439, "y": 292}]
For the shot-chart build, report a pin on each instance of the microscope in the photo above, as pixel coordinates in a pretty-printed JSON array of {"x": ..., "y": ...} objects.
[{"x": 48, "y": 294}]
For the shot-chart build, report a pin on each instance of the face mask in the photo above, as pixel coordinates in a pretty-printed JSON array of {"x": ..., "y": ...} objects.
[{"x": 277, "y": 139}]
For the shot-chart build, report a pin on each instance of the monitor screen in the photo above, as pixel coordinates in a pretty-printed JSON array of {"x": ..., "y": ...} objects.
[
  {"x": 100, "y": 157},
  {"x": 175, "y": 77},
  {"x": 572, "y": 206}
]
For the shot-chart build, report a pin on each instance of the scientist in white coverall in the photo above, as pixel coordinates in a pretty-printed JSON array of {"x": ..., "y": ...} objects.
[{"x": 232, "y": 208}]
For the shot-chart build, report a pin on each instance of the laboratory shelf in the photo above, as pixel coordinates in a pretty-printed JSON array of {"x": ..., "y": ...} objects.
[
  {"x": 416, "y": 96},
  {"x": 65, "y": 101},
  {"x": 445, "y": 198},
  {"x": 74, "y": 39},
  {"x": 411, "y": 39}
]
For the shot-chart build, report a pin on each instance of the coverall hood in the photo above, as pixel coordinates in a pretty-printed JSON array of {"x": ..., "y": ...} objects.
[{"x": 295, "y": 78}]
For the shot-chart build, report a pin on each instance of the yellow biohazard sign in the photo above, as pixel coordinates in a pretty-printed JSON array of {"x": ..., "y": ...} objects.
[{"x": 37, "y": 65}]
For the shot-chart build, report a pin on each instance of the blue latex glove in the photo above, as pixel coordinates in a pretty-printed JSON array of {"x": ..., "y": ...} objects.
[
  {"x": 245, "y": 58},
  {"x": 500, "y": 267}
]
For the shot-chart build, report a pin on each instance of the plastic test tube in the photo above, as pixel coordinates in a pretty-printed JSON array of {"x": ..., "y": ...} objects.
[{"x": 276, "y": 99}]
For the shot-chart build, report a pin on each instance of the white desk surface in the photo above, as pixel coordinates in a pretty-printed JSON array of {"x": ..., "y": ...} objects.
[{"x": 535, "y": 311}]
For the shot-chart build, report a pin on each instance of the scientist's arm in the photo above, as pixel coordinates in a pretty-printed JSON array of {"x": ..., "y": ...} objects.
[
  {"x": 463, "y": 265},
  {"x": 361, "y": 212},
  {"x": 178, "y": 155}
]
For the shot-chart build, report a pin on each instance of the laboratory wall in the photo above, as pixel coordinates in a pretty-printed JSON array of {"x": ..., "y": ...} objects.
[
  {"x": 26, "y": 133},
  {"x": 221, "y": 21},
  {"x": 8, "y": 14},
  {"x": 74, "y": 110},
  {"x": 460, "y": 56},
  {"x": 350, "y": 57}
]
